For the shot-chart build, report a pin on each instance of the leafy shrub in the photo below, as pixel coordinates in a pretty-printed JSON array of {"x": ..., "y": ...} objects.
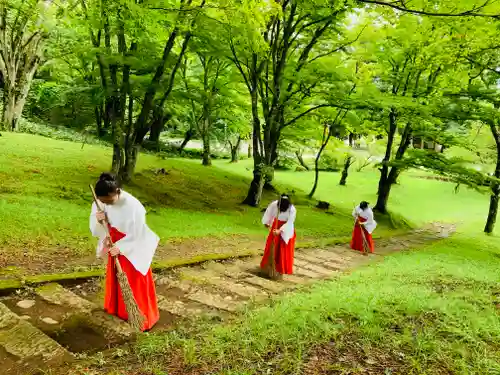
[
  {"x": 59, "y": 132},
  {"x": 286, "y": 163},
  {"x": 330, "y": 161}
]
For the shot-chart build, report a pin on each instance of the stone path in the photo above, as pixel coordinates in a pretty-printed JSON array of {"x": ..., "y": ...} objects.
[{"x": 55, "y": 323}]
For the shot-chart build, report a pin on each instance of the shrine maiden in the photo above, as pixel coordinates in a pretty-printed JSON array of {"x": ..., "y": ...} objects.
[
  {"x": 280, "y": 218},
  {"x": 364, "y": 226},
  {"x": 134, "y": 245}
]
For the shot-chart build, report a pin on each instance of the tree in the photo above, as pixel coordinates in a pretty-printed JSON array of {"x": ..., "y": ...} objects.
[
  {"x": 479, "y": 100},
  {"x": 24, "y": 26},
  {"x": 235, "y": 118},
  {"x": 415, "y": 57},
  {"x": 122, "y": 42},
  {"x": 330, "y": 129},
  {"x": 279, "y": 66},
  {"x": 206, "y": 89}
]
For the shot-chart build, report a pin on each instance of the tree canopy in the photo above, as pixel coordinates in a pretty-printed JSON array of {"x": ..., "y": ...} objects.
[{"x": 284, "y": 76}]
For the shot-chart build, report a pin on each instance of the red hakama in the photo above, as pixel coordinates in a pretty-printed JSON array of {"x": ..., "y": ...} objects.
[
  {"x": 357, "y": 237},
  {"x": 283, "y": 254},
  {"x": 143, "y": 288}
]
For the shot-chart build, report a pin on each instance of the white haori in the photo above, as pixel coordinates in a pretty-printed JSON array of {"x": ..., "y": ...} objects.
[
  {"x": 288, "y": 229},
  {"x": 370, "y": 224},
  {"x": 127, "y": 215}
]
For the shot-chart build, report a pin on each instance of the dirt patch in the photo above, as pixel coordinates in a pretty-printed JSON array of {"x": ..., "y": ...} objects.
[
  {"x": 79, "y": 337},
  {"x": 10, "y": 364},
  {"x": 350, "y": 357},
  {"x": 16, "y": 264},
  {"x": 182, "y": 249}
]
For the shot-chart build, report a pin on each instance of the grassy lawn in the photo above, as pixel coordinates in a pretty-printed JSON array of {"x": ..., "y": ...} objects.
[
  {"x": 416, "y": 199},
  {"x": 431, "y": 311},
  {"x": 45, "y": 202},
  {"x": 44, "y": 199}
]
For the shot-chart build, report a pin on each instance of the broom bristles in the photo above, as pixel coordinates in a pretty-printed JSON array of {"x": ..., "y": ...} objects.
[{"x": 136, "y": 318}]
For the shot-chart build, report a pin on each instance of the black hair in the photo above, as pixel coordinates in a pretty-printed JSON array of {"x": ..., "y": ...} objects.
[
  {"x": 107, "y": 185},
  {"x": 284, "y": 203},
  {"x": 363, "y": 205}
]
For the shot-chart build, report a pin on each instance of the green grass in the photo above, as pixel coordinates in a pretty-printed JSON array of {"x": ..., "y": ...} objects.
[
  {"x": 44, "y": 197},
  {"x": 45, "y": 200},
  {"x": 416, "y": 199},
  {"x": 431, "y": 311}
]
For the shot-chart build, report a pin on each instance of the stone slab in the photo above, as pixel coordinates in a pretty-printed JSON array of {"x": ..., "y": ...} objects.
[
  {"x": 313, "y": 267},
  {"x": 178, "y": 307},
  {"x": 225, "y": 283},
  {"x": 57, "y": 295},
  {"x": 321, "y": 262},
  {"x": 301, "y": 271},
  {"x": 242, "y": 276},
  {"x": 23, "y": 340},
  {"x": 215, "y": 301},
  {"x": 335, "y": 256},
  {"x": 110, "y": 325}
]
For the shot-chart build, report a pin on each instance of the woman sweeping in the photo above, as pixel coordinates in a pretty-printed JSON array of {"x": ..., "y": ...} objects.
[
  {"x": 364, "y": 226},
  {"x": 133, "y": 243},
  {"x": 280, "y": 245}
]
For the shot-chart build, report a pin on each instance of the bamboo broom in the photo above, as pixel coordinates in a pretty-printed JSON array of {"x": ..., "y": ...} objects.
[
  {"x": 271, "y": 266},
  {"x": 365, "y": 242},
  {"x": 136, "y": 318}
]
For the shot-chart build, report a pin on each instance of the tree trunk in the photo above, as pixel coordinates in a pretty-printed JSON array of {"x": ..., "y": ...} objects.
[
  {"x": 345, "y": 171},
  {"x": 324, "y": 143},
  {"x": 128, "y": 168},
  {"x": 9, "y": 105},
  {"x": 235, "y": 151},
  {"x": 256, "y": 186},
  {"x": 254, "y": 194},
  {"x": 384, "y": 187},
  {"x": 187, "y": 137},
  {"x": 392, "y": 176},
  {"x": 316, "y": 171},
  {"x": 249, "y": 149},
  {"x": 493, "y": 209},
  {"x": 158, "y": 125},
  {"x": 301, "y": 160},
  {"x": 99, "y": 121},
  {"x": 351, "y": 140},
  {"x": 14, "y": 104},
  {"x": 495, "y": 187},
  {"x": 118, "y": 159},
  {"x": 207, "y": 161},
  {"x": 156, "y": 129},
  {"x": 384, "y": 191}
]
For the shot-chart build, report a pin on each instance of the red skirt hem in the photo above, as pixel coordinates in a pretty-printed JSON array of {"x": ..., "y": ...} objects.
[
  {"x": 357, "y": 242},
  {"x": 284, "y": 253}
]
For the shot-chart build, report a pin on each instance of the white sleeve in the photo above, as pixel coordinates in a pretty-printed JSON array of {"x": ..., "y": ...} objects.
[
  {"x": 134, "y": 231},
  {"x": 370, "y": 223},
  {"x": 291, "y": 219},
  {"x": 369, "y": 216},
  {"x": 354, "y": 212},
  {"x": 270, "y": 214},
  {"x": 96, "y": 228}
]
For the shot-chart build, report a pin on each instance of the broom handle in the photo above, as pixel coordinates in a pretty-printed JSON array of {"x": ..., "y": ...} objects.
[
  {"x": 365, "y": 242},
  {"x": 272, "y": 231},
  {"x": 96, "y": 201}
]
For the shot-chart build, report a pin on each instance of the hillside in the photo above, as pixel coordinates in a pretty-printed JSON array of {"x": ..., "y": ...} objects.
[{"x": 45, "y": 204}]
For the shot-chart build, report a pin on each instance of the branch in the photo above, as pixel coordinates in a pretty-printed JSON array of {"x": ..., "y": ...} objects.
[
  {"x": 400, "y": 5},
  {"x": 236, "y": 61},
  {"x": 295, "y": 119},
  {"x": 341, "y": 47}
]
